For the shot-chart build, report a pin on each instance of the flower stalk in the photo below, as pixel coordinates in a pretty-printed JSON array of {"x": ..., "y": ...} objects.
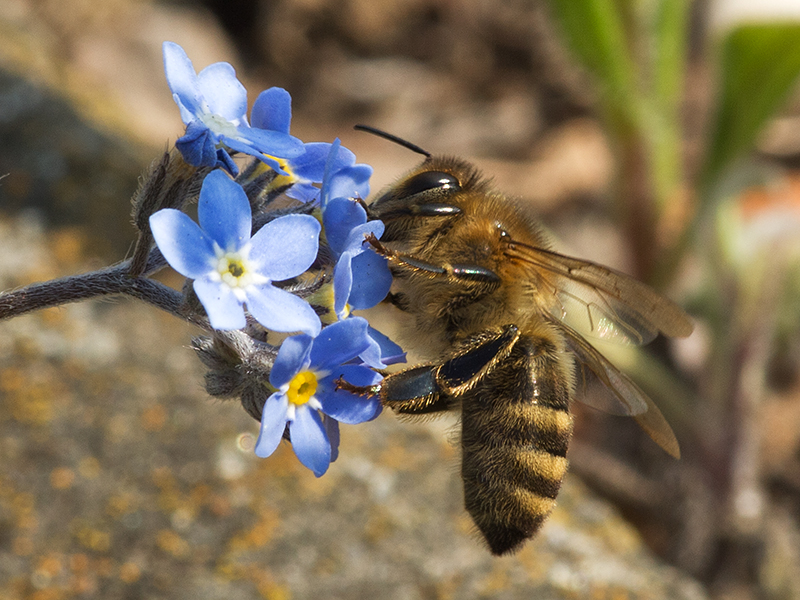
[{"x": 251, "y": 271}]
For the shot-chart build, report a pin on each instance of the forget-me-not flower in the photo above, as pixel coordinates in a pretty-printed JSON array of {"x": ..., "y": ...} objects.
[
  {"x": 361, "y": 277},
  {"x": 273, "y": 110},
  {"x": 213, "y": 105},
  {"x": 231, "y": 269},
  {"x": 307, "y": 401},
  {"x": 343, "y": 178}
]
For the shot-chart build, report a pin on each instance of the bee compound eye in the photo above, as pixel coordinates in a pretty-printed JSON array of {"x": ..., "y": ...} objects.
[{"x": 430, "y": 180}]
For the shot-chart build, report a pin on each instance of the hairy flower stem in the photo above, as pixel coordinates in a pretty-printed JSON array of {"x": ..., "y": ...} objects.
[{"x": 114, "y": 280}]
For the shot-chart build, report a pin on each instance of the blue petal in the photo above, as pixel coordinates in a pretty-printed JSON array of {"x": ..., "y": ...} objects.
[
  {"x": 274, "y": 143},
  {"x": 225, "y": 94},
  {"x": 344, "y": 158},
  {"x": 347, "y": 407},
  {"x": 372, "y": 355},
  {"x": 186, "y": 247},
  {"x": 246, "y": 147},
  {"x": 338, "y": 343},
  {"x": 351, "y": 182},
  {"x": 332, "y": 430},
  {"x": 308, "y": 168},
  {"x": 339, "y": 217},
  {"x": 382, "y": 351},
  {"x": 272, "y": 163},
  {"x": 293, "y": 357},
  {"x": 329, "y": 171},
  {"x": 273, "y": 424},
  {"x": 224, "y": 161},
  {"x": 182, "y": 81},
  {"x": 224, "y": 211},
  {"x": 198, "y": 145},
  {"x": 391, "y": 352},
  {"x": 186, "y": 115},
  {"x": 272, "y": 110},
  {"x": 342, "y": 283},
  {"x": 285, "y": 247},
  {"x": 310, "y": 165},
  {"x": 279, "y": 310},
  {"x": 356, "y": 239},
  {"x": 371, "y": 280},
  {"x": 223, "y": 308},
  {"x": 310, "y": 441},
  {"x": 304, "y": 192}
]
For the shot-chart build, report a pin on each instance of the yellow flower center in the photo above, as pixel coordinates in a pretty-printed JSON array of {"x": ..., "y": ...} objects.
[
  {"x": 302, "y": 387},
  {"x": 236, "y": 269},
  {"x": 232, "y": 268}
]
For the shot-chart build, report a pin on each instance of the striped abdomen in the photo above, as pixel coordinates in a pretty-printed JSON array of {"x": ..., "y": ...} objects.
[{"x": 516, "y": 428}]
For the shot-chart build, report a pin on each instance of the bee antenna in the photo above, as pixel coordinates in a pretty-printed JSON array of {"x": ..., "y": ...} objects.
[{"x": 392, "y": 138}]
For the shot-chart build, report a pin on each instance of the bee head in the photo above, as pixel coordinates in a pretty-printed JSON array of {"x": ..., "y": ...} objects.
[{"x": 427, "y": 199}]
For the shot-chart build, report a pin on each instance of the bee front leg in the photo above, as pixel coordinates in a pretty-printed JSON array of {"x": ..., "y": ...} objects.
[{"x": 479, "y": 280}]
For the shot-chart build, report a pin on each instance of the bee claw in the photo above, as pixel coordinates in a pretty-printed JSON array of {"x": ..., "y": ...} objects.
[
  {"x": 359, "y": 390},
  {"x": 376, "y": 245}
]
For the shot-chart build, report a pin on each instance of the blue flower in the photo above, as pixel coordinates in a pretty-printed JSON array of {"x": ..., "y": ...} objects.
[
  {"x": 382, "y": 351},
  {"x": 231, "y": 269},
  {"x": 213, "y": 105},
  {"x": 343, "y": 178},
  {"x": 361, "y": 277},
  {"x": 273, "y": 110},
  {"x": 304, "y": 373}
]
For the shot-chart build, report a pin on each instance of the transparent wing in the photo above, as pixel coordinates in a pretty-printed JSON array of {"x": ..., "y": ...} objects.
[
  {"x": 597, "y": 301},
  {"x": 624, "y": 397}
]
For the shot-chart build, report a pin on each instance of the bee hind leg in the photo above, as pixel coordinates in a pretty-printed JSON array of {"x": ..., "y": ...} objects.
[
  {"x": 434, "y": 388},
  {"x": 415, "y": 391}
]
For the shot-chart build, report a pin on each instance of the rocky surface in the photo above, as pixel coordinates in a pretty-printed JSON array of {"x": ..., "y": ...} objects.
[{"x": 121, "y": 478}]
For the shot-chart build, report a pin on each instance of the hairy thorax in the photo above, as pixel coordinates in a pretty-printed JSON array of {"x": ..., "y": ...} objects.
[{"x": 446, "y": 313}]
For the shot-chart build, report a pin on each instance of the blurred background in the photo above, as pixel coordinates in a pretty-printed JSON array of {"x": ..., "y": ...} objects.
[{"x": 660, "y": 137}]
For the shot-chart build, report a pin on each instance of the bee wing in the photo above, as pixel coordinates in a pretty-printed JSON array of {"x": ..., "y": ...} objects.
[
  {"x": 624, "y": 397},
  {"x": 598, "y": 301}
]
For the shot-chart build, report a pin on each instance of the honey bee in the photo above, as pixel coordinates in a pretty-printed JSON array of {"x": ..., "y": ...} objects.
[{"x": 502, "y": 317}]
